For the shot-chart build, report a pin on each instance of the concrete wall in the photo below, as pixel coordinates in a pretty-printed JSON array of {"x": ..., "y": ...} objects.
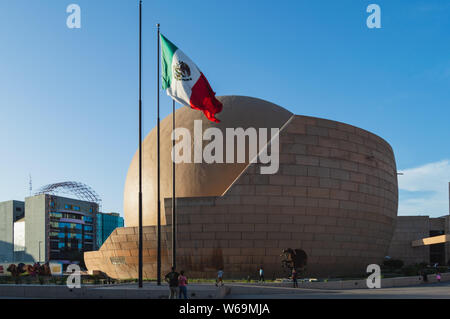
[
  {"x": 6, "y": 231},
  {"x": 437, "y": 224},
  {"x": 410, "y": 228},
  {"x": 36, "y": 227},
  {"x": 447, "y": 244},
  {"x": 10, "y": 211}
]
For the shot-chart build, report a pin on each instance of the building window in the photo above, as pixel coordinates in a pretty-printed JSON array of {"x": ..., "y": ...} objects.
[{"x": 56, "y": 215}]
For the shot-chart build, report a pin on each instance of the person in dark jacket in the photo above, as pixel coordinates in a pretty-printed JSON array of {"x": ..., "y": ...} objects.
[
  {"x": 261, "y": 274},
  {"x": 294, "y": 277},
  {"x": 172, "y": 279},
  {"x": 424, "y": 276}
]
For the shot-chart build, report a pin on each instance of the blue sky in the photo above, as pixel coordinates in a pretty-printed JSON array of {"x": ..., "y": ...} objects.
[{"x": 68, "y": 97}]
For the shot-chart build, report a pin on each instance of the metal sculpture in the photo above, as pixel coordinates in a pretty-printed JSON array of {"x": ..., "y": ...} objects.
[
  {"x": 294, "y": 259},
  {"x": 79, "y": 190}
]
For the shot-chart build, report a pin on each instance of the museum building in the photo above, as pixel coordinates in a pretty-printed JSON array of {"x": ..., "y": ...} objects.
[{"x": 334, "y": 196}]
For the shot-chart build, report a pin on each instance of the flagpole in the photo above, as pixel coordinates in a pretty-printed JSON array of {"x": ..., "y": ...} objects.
[
  {"x": 159, "y": 169},
  {"x": 140, "y": 146},
  {"x": 174, "y": 243}
]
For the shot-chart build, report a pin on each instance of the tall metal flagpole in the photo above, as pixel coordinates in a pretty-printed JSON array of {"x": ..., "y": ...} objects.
[
  {"x": 140, "y": 146},
  {"x": 174, "y": 229},
  {"x": 159, "y": 182}
]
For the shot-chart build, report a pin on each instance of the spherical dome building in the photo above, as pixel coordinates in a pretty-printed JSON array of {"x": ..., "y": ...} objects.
[
  {"x": 334, "y": 197},
  {"x": 194, "y": 179}
]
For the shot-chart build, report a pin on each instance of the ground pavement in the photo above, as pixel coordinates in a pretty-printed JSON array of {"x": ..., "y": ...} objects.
[{"x": 231, "y": 291}]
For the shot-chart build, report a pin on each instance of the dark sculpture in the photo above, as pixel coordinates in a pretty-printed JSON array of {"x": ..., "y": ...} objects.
[{"x": 294, "y": 259}]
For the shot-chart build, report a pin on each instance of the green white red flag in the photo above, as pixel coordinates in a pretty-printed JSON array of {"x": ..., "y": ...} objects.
[{"x": 185, "y": 83}]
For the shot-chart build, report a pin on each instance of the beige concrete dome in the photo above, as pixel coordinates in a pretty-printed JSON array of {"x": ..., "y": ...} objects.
[{"x": 194, "y": 180}]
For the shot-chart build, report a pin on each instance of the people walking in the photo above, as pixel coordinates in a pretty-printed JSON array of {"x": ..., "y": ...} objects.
[
  {"x": 438, "y": 277},
  {"x": 294, "y": 277},
  {"x": 219, "y": 277},
  {"x": 261, "y": 274},
  {"x": 172, "y": 279},
  {"x": 424, "y": 276},
  {"x": 182, "y": 283}
]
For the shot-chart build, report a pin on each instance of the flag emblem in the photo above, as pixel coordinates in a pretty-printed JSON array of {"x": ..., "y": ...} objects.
[
  {"x": 185, "y": 83},
  {"x": 181, "y": 71}
]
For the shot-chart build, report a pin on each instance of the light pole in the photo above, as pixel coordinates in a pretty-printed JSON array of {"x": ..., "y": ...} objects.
[{"x": 40, "y": 251}]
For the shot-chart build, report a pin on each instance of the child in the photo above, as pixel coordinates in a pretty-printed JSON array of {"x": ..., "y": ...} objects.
[
  {"x": 438, "y": 277},
  {"x": 182, "y": 282},
  {"x": 294, "y": 277},
  {"x": 261, "y": 274},
  {"x": 219, "y": 277}
]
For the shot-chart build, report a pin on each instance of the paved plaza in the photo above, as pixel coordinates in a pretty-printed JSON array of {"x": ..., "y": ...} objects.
[
  {"x": 428, "y": 291},
  {"x": 230, "y": 291}
]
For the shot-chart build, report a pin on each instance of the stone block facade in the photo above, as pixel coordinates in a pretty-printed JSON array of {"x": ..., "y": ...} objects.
[
  {"x": 335, "y": 196},
  {"x": 413, "y": 228}
]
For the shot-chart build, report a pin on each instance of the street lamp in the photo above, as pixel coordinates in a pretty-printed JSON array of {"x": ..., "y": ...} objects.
[{"x": 40, "y": 251}]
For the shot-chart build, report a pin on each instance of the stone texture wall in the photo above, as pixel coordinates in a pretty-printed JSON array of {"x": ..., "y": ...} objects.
[
  {"x": 436, "y": 224},
  {"x": 410, "y": 228},
  {"x": 118, "y": 256},
  {"x": 334, "y": 196}
]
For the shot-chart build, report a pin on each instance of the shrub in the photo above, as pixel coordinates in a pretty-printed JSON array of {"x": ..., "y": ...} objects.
[
  {"x": 41, "y": 280},
  {"x": 442, "y": 269},
  {"x": 421, "y": 266},
  {"x": 393, "y": 263},
  {"x": 416, "y": 269},
  {"x": 411, "y": 270}
]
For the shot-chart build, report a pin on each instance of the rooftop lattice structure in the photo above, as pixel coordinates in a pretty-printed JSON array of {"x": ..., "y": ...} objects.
[{"x": 79, "y": 190}]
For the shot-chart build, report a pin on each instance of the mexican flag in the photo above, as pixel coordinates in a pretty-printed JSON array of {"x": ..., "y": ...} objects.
[{"x": 185, "y": 83}]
